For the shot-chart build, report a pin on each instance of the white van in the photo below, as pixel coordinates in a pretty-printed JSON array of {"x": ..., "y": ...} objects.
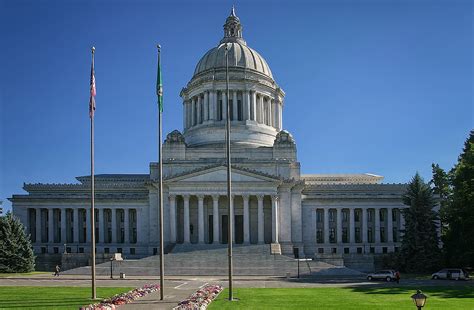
[{"x": 451, "y": 273}]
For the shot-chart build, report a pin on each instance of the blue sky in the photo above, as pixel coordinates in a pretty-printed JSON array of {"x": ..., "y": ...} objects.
[{"x": 382, "y": 87}]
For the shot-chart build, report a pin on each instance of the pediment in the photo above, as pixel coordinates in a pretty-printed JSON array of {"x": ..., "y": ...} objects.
[{"x": 219, "y": 174}]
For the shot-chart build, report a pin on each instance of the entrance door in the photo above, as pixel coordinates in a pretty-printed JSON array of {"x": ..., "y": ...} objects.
[
  {"x": 211, "y": 229},
  {"x": 224, "y": 229},
  {"x": 239, "y": 229}
]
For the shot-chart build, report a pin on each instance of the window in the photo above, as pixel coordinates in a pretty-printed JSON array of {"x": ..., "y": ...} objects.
[
  {"x": 55, "y": 250},
  {"x": 357, "y": 215},
  {"x": 395, "y": 234},
  {"x": 357, "y": 235},
  {"x": 394, "y": 215},
  {"x": 382, "y": 234},
  {"x": 372, "y": 250},
  {"x": 122, "y": 235},
  {"x": 369, "y": 215},
  {"x": 155, "y": 251},
  {"x": 68, "y": 250},
  {"x": 332, "y": 235},
  {"x": 331, "y": 215},
  {"x": 134, "y": 235},
  {"x": 119, "y": 250},
  {"x": 346, "y": 250},
  {"x": 344, "y": 234},
  {"x": 344, "y": 215},
  {"x": 333, "y": 250},
  {"x": 369, "y": 235},
  {"x": 319, "y": 216},
  {"x": 384, "y": 250},
  {"x": 319, "y": 236},
  {"x": 44, "y": 250},
  {"x": 122, "y": 215},
  {"x": 382, "y": 215},
  {"x": 106, "y": 250},
  {"x": 81, "y": 250},
  {"x": 219, "y": 110},
  {"x": 132, "y": 251},
  {"x": 239, "y": 110}
]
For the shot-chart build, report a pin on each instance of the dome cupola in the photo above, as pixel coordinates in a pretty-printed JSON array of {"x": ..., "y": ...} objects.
[{"x": 255, "y": 99}]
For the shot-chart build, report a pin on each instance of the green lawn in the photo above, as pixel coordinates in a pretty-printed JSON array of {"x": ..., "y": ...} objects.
[
  {"x": 29, "y": 297},
  {"x": 345, "y": 298}
]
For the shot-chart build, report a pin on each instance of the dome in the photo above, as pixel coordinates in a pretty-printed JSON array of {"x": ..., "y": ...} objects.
[{"x": 240, "y": 56}]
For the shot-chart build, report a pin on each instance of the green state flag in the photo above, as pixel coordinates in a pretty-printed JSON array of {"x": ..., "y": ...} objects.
[{"x": 159, "y": 82}]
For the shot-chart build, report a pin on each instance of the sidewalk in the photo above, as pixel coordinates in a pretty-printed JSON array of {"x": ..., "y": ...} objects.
[{"x": 172, "y": 296}]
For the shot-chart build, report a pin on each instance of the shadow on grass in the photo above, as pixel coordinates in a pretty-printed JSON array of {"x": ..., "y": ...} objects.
[{"x": 439, "y": 291}]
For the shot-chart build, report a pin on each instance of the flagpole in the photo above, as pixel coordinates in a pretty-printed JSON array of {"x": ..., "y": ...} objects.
[
  {"x": 229, "y": 185},
  {"x": 94, "y": 296},
  {"x": 160, "y": 172}
]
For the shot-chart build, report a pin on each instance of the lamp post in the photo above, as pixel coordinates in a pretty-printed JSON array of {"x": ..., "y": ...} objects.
[{"x": 419, "y": 299}]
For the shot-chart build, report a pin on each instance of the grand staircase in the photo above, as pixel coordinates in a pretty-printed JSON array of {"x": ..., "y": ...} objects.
[{"x": 212, "y": 260}]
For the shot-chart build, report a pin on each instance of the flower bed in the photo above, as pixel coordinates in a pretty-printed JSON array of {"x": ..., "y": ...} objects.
[
  {"x": 201, "y": 298},
  {"x": 122, "y": 299}
]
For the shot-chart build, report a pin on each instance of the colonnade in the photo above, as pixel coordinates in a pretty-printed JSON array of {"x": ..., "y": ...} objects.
[
  {"x": 73, "y": 225},
  {"x": 244, "y": 105},
  {"x": 215, "y": 211},
  {"x": 358, "y": 225}
]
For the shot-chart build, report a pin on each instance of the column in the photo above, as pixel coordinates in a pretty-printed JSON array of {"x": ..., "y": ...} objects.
[
  {"x": 38, "y": 226},
  {"x": 280, "y": 118},
  {"x": 102, "y": 227},
  {"x": 339, "y": 225},
  {"x": 63, "y": 226},
  {"x": 364, "y": 225},
  {"x": 253, "y": 110},
  {"x": 185, "y": 123},
  {"x": 261, "y": 110},
  {"x": 246, "y": 219},
  {"x": 260, "y": 219},
  {"x": 351, "y": 226},
  {"x": 50, "y": 225},
  {"x": 199, "y": 108},
  {"x": 270, "y": 112},
  {"x": 246, "y": 96},
  {"x": 200, "y": 219},
  {"x": 377, "y": 225},
  {"x": 126, "y": 226},
  {"x": 275, "y": 114},
  {"x": 114, "y": 225},
  {"x": 193, "y": 109},
  {"x": 186, "y": 219},
  {"x": 172, "y": 218},
  {"x": 389, "y": 225},
  {"x": 326, "y": 225},
  {"x": 88, "y": 224},
  {"x": 234, "y": 106},
  {"x": 212, "y": 105},
  {"x": 215, "y": 218},
  {"x": 224, "y": 105},
  {"x": 75, "y": 229},
  {"x": 206, "y": 106},
  {"x": 275, "y": 219}
]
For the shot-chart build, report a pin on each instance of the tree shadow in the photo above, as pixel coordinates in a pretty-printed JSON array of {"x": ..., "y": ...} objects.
[{"x": 438, "y": 291}]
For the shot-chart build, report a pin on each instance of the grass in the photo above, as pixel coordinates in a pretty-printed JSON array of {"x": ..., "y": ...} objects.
[
  {"x": 34, "y": 297},
  {"x": 22, "y": 274},
  {"x": 461, "y": 297}
]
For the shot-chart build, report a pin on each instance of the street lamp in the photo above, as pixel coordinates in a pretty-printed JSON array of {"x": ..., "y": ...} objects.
[{"x": 419, "y": 299}]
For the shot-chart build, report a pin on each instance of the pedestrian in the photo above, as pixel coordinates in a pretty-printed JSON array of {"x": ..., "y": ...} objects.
[
  {"x": 56, "y": 271},
  {"x": 397, "y": 276}
]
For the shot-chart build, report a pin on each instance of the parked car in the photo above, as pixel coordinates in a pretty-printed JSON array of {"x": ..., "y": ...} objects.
[
  {"x": 451, "y": 273},
  {"x": 387, "y": 275}
]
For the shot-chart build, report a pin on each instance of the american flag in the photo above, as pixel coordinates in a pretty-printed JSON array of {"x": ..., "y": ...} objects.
[{"x": 92, "y": 97}]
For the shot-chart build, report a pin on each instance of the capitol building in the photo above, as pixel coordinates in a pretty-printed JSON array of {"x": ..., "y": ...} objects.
[{"x": 273, "y": 202}]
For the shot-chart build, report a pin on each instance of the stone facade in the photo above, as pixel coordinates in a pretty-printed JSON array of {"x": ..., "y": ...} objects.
[{"x": 321, "y": 215}]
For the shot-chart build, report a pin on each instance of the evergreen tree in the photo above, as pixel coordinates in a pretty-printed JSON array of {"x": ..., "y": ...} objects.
[
  {"x": 419, "y": 250},
  {"x": 459, "y": 237},
  {"x": 16, "y": 253}
]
